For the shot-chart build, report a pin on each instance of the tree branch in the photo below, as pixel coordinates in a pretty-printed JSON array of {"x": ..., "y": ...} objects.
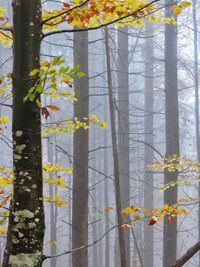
[
  {"x": 188, "y": 255},
  {"x": 102, "y": 25},
  {"x": 64, "y": 12}
]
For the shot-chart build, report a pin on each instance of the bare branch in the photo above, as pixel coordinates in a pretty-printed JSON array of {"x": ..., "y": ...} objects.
[{"x": 188, "y": 255}]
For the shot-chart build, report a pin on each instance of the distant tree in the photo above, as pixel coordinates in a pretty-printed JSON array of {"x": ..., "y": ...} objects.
[
  {"x": 123, "y": 125},
  {"x": 149, "y": 141}
]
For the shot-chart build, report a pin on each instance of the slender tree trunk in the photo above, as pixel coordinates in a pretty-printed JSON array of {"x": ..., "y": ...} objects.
[
  {"x": 94, "y": 204},
  {"x": 172, "y": 137},
  {"x": 80, "y": 164},
  {"x": 196, "y": 84},
  {"x": 115, "y": 155},
  {"x": 27, "y": 215},
  {"x": 106, "y": 189},
  {"x": 148, "y": 138},
  {"x": 123, "y": 137}
]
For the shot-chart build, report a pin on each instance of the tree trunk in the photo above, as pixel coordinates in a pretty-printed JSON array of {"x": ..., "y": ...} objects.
[
  {"x": 115, "y": 155},
  {"x": 148, "y": 138},
  {"x": 27, "y": 215},
  {"x": 123, "y": 127},
  {"x": 172, "y": 136},
  {"x": 106, "y": 189},
  {"x": 80, "y": 164},
  {"x": 196, "y": 84}
]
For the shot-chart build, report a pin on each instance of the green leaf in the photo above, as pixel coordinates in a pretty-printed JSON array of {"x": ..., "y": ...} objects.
[{"x": 34, "y": 72}]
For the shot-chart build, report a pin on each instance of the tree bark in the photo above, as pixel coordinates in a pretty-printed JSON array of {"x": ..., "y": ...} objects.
[
  {"x": 148, "y": 139},
  {"x": 80, "y": 152},
  {"x": 196, "y": 84},
  {"x": 188, "y": 255},
  {"x": 27, "y": 214},
  {"x": 172, "y": 136},
  {"x": 123, "y": 126},
  {"x": 115, "y": 154}
]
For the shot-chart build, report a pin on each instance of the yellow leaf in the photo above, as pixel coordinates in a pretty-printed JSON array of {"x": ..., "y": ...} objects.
[
  {"x": 184, "y": 4},
  {"x": 4, "y": 120},
  {"x": 33, "y": 72},
  {"x": 66, "y": 80},
  {"x": 177, "y": 10},
  {"x": 2, "y": 11},
  {"x": 129, "y": 210},
  {"x": 5, "y": 181},
  {"x": 3, "y": 231}
]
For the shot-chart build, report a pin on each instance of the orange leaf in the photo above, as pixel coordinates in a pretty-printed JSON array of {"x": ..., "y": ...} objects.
[
  {"x": 108, "y": 208},
  {"x": 66, "y": 5},
  {"x": 153, "y": 220},
  {"x": 54, "y": 108},
  {"x": 136, "y": 218},
  {"x": 125, "y": 226},
  {"x": 170, "y": 219},
  {"x": 1, "y": 191}
]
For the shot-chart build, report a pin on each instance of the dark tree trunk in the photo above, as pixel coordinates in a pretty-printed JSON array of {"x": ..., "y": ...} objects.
[
  {"x": 172, "y": 137},
  {"x": 27, "y": 215},
  {"x": 80, "y": 164}
]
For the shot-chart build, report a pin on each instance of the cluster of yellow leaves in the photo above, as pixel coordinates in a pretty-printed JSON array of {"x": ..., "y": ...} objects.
[
  {"x": 175, "y": 163},
  {"x": 136, "y": 214},
  {"x": 56, "y": 200},
  {"x": 5, "y": 36},
  {"x": 6, "y": 177},
  {"x": 57, "y": 181},
  {"x": 177, "y": 9},
  {"x": 5, "y": 84},
  {"x": 4, "y": 181},
  {"x": 95, "y": 13},
  {"x": 3, "y": 218},
  {"x": 4, "y": 215},
  {"x": 55, "y": 94},
  {"x": 3, "y": 231},
  {"x": 129, "y": 210},
  {"x": 47, "y": 167},
  {"x": 70, "y": 126},
  {"x": 101, "y": 123},
  {"x": 52, "y": 24},
  {"x": 166, "y": 210},
  {"x": 189, "y": 170},
  {"x": 4, "y": 120}
]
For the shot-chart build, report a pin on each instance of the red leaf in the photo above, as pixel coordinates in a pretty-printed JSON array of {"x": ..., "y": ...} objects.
[
  {"x": 45, "y": 112},
  {"x": 153, "y": 220}
]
